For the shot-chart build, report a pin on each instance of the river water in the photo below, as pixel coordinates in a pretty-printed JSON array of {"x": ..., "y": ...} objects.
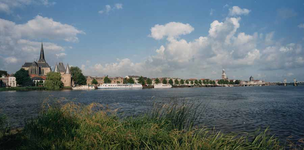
[{"x": 234, "y": 109}]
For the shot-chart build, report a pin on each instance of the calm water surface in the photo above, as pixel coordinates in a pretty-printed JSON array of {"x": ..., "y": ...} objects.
[{"x": 238, "y": 109}]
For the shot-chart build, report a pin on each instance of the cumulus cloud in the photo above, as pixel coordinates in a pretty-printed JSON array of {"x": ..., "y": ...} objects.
[
  {"x": 237, "y": 11},
  {"x": 224, "y": 46},
  {"x": 109, "y": 8},
  {"x": 7, "y": 6},
  {"x": 170, "y": 30},
  {"x": 18, "y": 42}
]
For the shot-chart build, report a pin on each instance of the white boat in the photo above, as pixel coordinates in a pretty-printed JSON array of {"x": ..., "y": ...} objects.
[
  {"x": 84, "y": 87},
  {"x": 162, "y": 86},
  {"x": 120, "y": 86}
]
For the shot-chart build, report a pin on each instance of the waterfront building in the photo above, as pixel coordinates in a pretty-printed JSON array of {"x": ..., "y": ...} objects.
[
  {"x": 41, "y": 67},
  {"x": 66, "y": 76},
  {"x": 135, "y": 78},
  {"x": 8, "y": 81},
  {"x": 253, "y": 82},
  {"x": 100, "y": 80},
  {"x": 251, "y": 78}
]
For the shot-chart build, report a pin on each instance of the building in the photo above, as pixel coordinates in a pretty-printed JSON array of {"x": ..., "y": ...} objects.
[
  {"x": 7, "y": 81},
  {"x": 251, "y": 78},
  {"x": 135, "y": 78},
  {"x": 40, "y": 68},
  {"x": 66, "y": 76},
  {"x": 224, "y": 76}
]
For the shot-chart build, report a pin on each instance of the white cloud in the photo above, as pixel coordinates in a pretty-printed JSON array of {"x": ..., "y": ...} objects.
[
  {"x": 11, "y": 60},
  {"x": 171, "y": 30},
  {"x": 301, "y": 26},
  {"x": 7, "y": 6},
  {"x": 290, "y": 74},
  {"x": 18, "y": 42},
  {"x": 237, "y": 11},
  {"x": 118, "y": 6},
  {"x": 61, "y": 55},
  {"x": 109, "y": 8}
]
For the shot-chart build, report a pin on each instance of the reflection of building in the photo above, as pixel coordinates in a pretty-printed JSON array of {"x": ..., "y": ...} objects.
[
  {"x": 40, "y": 68},
  {"x": 224, "y": 77},
  {"x": 66, "y": 76}
]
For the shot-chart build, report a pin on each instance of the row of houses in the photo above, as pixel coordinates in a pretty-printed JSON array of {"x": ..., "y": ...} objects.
[{"x": 7, "y": 80}]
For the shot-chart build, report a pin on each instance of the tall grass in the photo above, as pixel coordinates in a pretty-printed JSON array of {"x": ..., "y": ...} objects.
[{"x": 75, "y": 126}]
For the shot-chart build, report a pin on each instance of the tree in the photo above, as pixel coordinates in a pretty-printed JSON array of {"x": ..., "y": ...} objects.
[
  {"x": 237, "y": 82},
  {"x": 149, "y": 81},
  {"x": 231, "y": 82},
  {"x": 165, "y": 81},
  {"x": 187, "y": 81},
  {"x": 200, "y": 82},
  {"x": 94, "y": 81},
  {"x": 131, "y": 81},
  {"x": 23, "y": 78},
  {"x": 182, "y": 81},
  {"x": 171, "y": 81},
  {"x": 196, "y": 82},
  {"x": 53, "y": 81},
  {"x": 141, "y": 80},
  {"x": 107, "y": 80},
  {"x": 176, "y": 82},
  {"x": 191, "y": 82},
  {"x": 77, "y": 76},
  {"x": 157, "y": 81},
  {"x": 125, "y": 81}
]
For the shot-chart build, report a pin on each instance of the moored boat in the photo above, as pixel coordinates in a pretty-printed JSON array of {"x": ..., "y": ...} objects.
[
  {"x": 162, "y": 86},
  {"x": 120, "y": 86},
  {"x": 84, "y": 87}
]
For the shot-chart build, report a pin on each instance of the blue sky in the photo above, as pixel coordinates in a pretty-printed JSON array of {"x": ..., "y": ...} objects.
[{"x": 186, "y": 39}]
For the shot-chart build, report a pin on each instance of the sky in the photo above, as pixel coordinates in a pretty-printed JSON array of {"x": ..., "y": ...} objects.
[{"x": 182, "y": 39}]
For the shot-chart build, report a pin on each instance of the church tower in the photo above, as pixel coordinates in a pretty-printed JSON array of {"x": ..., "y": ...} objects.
[{"x": 41, "y": 58}]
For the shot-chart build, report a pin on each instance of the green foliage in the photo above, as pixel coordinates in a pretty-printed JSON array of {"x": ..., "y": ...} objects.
[
  {"x": 94, "y": 81},
  {"x": 165, "y": 81},
  {"x": 77, "y": 76},
  {"x": 171, "y": 81},
  {"x": 223, "y": 81},
  {"x": 3, "y": 125},
  {"x": 74, "y": 126},
  {"x": 231, "y": 82},
  {"x": 196, "y": 82},
  {"x": 200, "y": 82},
  {"x": 157, "y": 81},
  {"x": 23, "y": 78},
  {"x": 131, "y": 81},
  {"x": 141, "y": 80},
  {"x": 187, "y": 81},
  {"x": 125, "y": 81},
  {"x": 182, "y": 81},
  {"x": 191, "y": 82},
  {"x": 176, "y": 82},
  {"x": 53, "y": 81},
  {"x": 106, "y": 80},
  {"x": 237, "y": 82},
  {"x": 149, "y": 81}
]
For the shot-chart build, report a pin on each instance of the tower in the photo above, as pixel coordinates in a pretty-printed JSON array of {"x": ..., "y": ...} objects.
[
  {"x": 224, "y": 77},
  {"x": 41, "y": 58},
  {"x": 294, "y": 82}
]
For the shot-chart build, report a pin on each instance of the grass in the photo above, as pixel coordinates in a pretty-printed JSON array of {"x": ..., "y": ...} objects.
[{"x": 75, "y": 126}]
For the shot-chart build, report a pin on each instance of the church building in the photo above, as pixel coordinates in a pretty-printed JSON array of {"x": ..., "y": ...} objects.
[
  {"x": 66, "y": 76},
  {"x": 39, "y": 68}
]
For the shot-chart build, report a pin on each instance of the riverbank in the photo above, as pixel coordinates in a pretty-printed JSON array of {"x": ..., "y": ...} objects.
[
  {"x": 75, "y": 126},
  {"x": 29, "y": 88}
]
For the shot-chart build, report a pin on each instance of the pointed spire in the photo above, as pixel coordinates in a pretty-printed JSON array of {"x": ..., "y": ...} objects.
[
  {"x": 41, "y": 59},
  {"x": 56, "y": 68},
  {"x": 67, "y": 70}
]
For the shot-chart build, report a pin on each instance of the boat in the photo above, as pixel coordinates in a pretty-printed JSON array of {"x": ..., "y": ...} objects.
[
  {"x": 120, "y": 86},
  {"x": 84, "y": 87},
  {"x": 162, "y": 86}
]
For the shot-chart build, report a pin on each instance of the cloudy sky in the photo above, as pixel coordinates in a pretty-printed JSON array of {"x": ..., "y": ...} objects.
[{"x": 185, "y": 39}]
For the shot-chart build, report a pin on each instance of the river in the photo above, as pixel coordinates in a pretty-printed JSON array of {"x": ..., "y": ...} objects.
[{"x": 234, "y": 109}]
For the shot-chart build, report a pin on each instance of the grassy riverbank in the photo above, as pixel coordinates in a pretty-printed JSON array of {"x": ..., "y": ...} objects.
[{"x": 74, "y": 126}]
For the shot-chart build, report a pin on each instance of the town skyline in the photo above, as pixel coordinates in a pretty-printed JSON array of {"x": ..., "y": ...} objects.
[{"x": 130, "y": 38}]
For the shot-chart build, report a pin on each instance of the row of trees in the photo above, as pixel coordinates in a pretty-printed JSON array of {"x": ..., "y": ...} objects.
[{"x": 228, "y": 82}]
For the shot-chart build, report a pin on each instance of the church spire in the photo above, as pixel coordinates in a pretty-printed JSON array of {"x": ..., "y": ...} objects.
[
  {"x": 41, "y": 59},
  {"x": 67, "y": 70}
]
